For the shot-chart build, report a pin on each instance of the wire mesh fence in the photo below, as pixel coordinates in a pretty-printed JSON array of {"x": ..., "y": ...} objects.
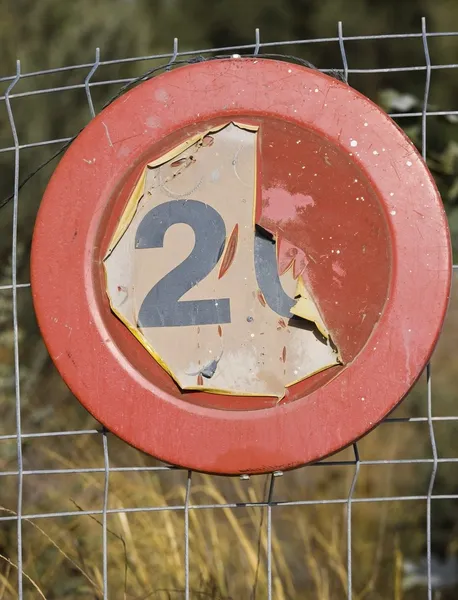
[{"x": 84, "y": 515}]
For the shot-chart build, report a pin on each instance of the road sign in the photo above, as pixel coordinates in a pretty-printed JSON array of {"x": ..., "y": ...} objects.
[{"x": 235, "y": 250}]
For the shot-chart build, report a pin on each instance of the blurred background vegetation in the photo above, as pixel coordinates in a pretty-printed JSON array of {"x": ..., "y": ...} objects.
[{"x": 62, "y": 556}]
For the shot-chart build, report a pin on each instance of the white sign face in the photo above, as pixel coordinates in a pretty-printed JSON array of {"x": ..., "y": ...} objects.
[{"x": 197, "y": 282}]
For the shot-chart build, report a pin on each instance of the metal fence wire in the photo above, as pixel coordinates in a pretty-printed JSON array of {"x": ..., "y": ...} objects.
[{"x": 84, "y": 515}]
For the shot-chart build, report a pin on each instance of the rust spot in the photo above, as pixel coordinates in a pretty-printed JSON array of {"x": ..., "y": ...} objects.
[
  {"x": 286, "y": 253},
  {"x": 220, "y": 331},
  {"x": 261, "y": 298},
  {"x": 208, "y": 141},
  {"x": 298, "y": 267},
  {"x": 282, "y": 323},
  {"x": 179, "y": 163},
  {"x": 184, "y": 162},
  {"x": 283, "y": 354},
  {"x": 200, "y": 380},
  {"x": 229, "y": 253},
  {"x": 71, "y": 358},
  {"x": 285, "y": 267}
]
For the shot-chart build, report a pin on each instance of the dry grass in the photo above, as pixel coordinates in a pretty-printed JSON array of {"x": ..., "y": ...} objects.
[{"x": 227, "y": 546}]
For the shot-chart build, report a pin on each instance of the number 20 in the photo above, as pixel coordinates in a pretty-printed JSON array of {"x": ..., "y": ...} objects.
[{"x": 162, "y": 306}]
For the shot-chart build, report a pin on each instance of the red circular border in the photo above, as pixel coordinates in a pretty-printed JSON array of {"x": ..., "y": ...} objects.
[{"x": 203, "y": 438}]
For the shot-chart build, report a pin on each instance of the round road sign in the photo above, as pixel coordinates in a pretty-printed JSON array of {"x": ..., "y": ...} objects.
[{"x": 241, "y": 265}]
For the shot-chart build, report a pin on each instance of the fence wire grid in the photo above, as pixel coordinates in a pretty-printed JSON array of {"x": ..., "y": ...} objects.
[{"x": 272, "y": 495}]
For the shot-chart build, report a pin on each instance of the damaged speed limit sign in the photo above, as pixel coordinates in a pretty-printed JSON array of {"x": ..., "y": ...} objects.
[
  {"x": 248, "y": 325},
  {"x": 241, "y": 265}
]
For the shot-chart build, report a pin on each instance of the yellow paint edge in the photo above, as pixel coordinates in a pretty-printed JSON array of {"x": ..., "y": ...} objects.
[
  {"x": 306, "y": 308},
  {"x": 128, "y": 214},
  {"x": 136, "y": 333}
]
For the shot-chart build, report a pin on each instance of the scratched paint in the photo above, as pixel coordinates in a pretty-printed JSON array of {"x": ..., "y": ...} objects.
[{"x": 229, "y": 253}]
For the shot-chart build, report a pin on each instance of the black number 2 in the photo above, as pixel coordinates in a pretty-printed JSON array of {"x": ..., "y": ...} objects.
[{"x": 161, "y": 306}]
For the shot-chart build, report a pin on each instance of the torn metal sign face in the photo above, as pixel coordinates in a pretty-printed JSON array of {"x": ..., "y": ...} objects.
[{"x": 197, "y": 280}]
